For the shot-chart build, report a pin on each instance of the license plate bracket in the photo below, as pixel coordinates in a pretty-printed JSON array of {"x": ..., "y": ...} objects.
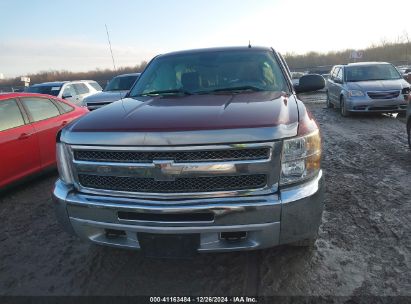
[{"x": 169, "y": 245}]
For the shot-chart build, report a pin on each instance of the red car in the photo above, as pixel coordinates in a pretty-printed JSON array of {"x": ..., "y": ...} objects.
[{"x": 28, "y": 127}]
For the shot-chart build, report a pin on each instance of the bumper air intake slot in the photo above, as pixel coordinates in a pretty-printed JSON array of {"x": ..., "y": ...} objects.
[{"x": 160, "y": 217}]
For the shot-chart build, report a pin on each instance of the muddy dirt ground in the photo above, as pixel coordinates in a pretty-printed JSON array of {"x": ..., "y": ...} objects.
[{"x": 363, "y": 248}]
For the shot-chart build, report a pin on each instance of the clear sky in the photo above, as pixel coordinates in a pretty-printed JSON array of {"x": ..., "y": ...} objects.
[{"x": 38, "y": 35}]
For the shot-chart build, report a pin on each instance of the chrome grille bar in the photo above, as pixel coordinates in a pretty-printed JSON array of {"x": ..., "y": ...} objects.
[{"x": 177, "y": 156}]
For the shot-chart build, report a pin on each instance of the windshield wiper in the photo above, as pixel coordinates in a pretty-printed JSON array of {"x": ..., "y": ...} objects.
[
  {"x": 385, "y": 79},
  {"x": 358, "y": 80},
  {"x": 161, "y": 92},
  {"x": 231, "y": 89}
]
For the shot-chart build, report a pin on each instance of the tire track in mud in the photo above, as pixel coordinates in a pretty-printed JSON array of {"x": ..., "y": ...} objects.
[
  {"x": 206, "y": 274},
  {"x": 369, "y": 164},
  {"x": 364, "y": 240},
  {"x": 252, "y": 277}
]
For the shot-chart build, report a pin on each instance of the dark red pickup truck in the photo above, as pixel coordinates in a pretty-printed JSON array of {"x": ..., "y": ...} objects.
[{"x": 211, "y": 150}]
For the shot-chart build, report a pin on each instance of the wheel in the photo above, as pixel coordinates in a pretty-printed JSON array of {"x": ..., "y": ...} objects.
[
  {"x": 343, "y": 109},
  {"x": 328, "y": 102}
]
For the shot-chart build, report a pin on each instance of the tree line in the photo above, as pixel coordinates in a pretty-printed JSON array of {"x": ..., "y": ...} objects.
[
  {"x": 101, "y": 76},
  {"x": 398, "y": 53}
]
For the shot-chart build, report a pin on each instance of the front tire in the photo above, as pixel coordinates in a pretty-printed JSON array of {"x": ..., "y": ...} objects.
[{"x": 343, "y": 108}]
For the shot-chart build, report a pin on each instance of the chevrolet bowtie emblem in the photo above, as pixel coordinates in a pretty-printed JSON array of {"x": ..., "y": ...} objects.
[
  {"x": 103, "y": 169},
  {"x": 165, "y": 170}
]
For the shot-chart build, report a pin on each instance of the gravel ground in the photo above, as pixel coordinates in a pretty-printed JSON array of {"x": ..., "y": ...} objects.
[{"x": 363, "y": 246}]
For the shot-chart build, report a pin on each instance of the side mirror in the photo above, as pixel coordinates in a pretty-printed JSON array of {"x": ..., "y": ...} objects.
[
  {"x": 310, "y": 83},
  {"x": 66, "y": 96}
]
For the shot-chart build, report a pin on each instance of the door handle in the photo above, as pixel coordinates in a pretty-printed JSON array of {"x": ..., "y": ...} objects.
[
  {"x": 64, "y": 123},
  {"x": 24, "y": 135}
]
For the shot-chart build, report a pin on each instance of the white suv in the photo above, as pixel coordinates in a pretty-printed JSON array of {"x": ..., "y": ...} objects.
[{"x": 74, "y": 91}]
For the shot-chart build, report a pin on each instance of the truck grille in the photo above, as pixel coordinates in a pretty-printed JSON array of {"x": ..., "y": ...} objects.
[
  {"x": 196, "y": 184},
  {"x": 176, "y": 156},
  {"x": 383, "y": 94},
  {"x": 181, "y": 172}
]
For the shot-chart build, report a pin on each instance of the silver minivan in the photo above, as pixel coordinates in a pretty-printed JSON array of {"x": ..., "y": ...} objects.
[{"x": 367, "y": 87}]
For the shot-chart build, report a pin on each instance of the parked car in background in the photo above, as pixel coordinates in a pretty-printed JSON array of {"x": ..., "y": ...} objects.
[
  {"x": 11, "y": 89},
  {"x": 321, "y": 70},
  {"x": 73, "y": 91},
  {"x": 404, "y": 69},
  {"x": 367, "y": 87},
  {"x": 407, "y": 76},
  {"x": 28, "y": 127},
  {"x": 405, "y": 72},
  {"x": 116, "y": 89},
  {"x": 295, "y": 77},
  {"x": 211, "y": 150},
  {"x": 408, "y": 120}
]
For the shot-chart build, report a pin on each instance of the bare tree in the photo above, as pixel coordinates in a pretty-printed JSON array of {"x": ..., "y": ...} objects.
[{"x": 407, "y": 40}]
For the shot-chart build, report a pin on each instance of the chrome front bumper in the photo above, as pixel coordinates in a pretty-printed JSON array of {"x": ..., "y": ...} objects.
[
  {"x": 268, "y": 220},
  {"x": 366, "y": 104}
]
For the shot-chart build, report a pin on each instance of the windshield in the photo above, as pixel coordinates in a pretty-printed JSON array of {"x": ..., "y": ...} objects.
[
  {"x": 95, "y": 85},
  {"x": 49, "y": 90},
  {"x": 371, "y": 72},
  {"x": 121, "y": 83},
  {"x": 208, "y": 72}
]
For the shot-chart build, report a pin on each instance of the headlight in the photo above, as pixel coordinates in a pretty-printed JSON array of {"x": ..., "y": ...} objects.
[
  {"x": 355, "y": 93},
  {"x": 301, "y": 158},
  {"x": 63, "y": 163}
]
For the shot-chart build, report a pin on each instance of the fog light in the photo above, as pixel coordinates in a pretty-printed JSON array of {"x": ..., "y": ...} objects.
[{"x": 113, "y": 233}]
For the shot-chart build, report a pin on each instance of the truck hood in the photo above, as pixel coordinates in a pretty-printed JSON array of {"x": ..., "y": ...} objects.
[
  {"x": 109, "y": 96},
  {"x": 378, "y": 85},
  {"x": 175, "y": 118}
]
